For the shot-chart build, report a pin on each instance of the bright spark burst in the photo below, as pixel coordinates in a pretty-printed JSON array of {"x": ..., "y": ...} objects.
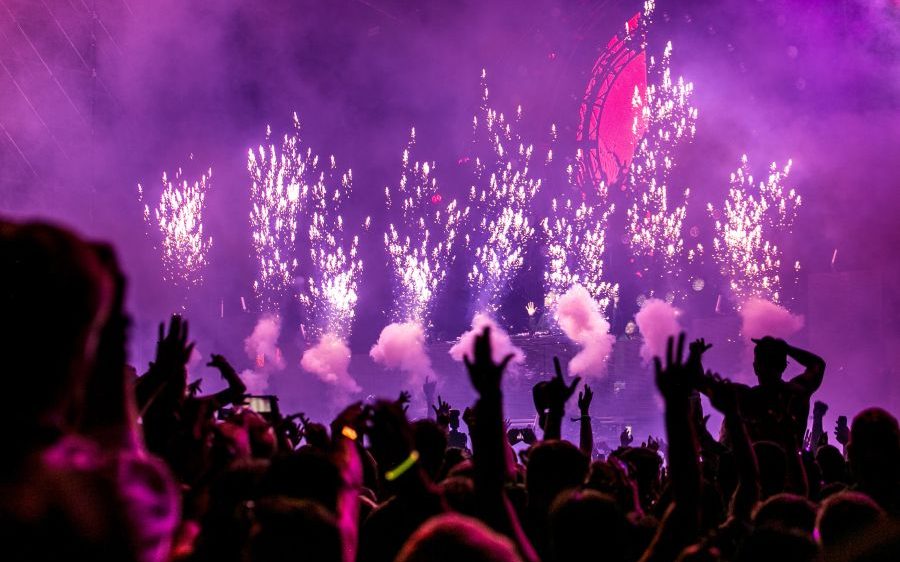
[
  {"x": 743, "y": 247},
  {"x": 419, "y": 259},
  {"x": 279, "y": 187},
  {"x": 654, "y": 227},
  {"x": 503, "y": 203},
  {"x": 179, "y": 218},
  {"x": 332, "y": 287},
  {"x": 576, "y": 243}
]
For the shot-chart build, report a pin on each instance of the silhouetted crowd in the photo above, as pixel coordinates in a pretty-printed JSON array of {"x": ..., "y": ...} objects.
[{"x": 105, "y": 463}]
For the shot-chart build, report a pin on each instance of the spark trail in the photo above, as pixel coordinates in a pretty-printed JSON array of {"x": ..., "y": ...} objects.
[
  {"x": 576, "y": 243},
  {"x": 421, "y": 240},
  {"x": 744, "y": 247},
  {"x": 279, "y": 188},
  {"x": 178, "y": 217},
  {"x": 502, "y": 198}
]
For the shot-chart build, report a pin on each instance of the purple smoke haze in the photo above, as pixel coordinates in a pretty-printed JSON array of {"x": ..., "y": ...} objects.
[{"x": 88, "y": 114}]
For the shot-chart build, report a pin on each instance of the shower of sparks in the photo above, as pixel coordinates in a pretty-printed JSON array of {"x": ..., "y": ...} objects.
[
  {"x": 576, "y": 242},
  {"x": 743, "y": 247},
  {"x": 502, "y": 200},
  {"x": 420, "y": 243},
  {"x": 654, "y": 227},
  {"x": 332, "y": 286},
  {"x": 179, "y": 219},
  {"x": 279, "y": 187}
]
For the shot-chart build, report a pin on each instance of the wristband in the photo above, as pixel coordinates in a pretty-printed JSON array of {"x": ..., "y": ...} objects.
[
  {"x": 349, "y": 433},
  {"x": 402, "y": 468}
]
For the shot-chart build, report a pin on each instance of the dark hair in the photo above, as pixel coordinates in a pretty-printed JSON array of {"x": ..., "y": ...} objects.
[{"x": 788, "y": 511}]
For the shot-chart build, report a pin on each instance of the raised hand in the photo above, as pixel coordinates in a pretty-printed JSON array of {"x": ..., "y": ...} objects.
[
  {"x": 484, "y": 373},
  {"x": 625, "y": 438},
  {"x": 403, "y": 400},
  {"x": 842, "y": 431},
  {"x": 556, "y": 392},
  {"x": 723, "y": 396},
  {"x": 429, "y": 388},
  {"x": 819, "y": 408},
  {"x": 350, "y": 422},
  {"x": 584, "y": 400},
  {"x": 442, "y": 412},
  {"x": 173, "y": 349},
  {"x": 193, "y": 389},
  {"x": 673, "y": 380},
  {"x": 468, "y": 416},
  {"x": 698, "y": 347}
]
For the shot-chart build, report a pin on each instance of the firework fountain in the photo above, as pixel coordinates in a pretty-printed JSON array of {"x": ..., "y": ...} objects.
[
  {"x": 420, "y": 247},
  {"x": 653, "y": 224},
  {"x": 502, "y": 200},
  {"x": 331, "y": 293},
  {"x": 278, "y": 191},
  {"x": 576, "y": 244},
  {"x": 746, "y": 251},
  {"x": 744, "y": 247},
  {"x": 178, "y": 218}
]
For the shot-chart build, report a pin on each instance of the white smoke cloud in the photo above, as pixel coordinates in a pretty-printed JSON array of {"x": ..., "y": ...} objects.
[
  {"x": 262, "y": 349},
  {"x": 401, "y": 345},
  {"x": 501, "y": 345},
  {"x": 764, "y": 318},
  {"x": 329, "y": 360},
  {"x": 257, "y": 381},
  {"x": 657, "y": 320},
  {"x": 580, "y": 318}
]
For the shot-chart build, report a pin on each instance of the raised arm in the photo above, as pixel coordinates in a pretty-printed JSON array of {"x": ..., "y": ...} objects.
[
  {"x": 811, "y": 378},
  {"x": 725, "y": 398},
  {"x": 550, "y": 399},
  {"x": 586, "y": 434},
  {"x": 236, "y": 387},
  {"x": 489, "y": 445},
  {"x": 818, "y": 435},
  {"x": 681, "y": 523},
  {"x": 345, "y": 430}
]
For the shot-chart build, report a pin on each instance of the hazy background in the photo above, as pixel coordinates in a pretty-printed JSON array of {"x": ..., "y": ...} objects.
[{"x": 90, "y": 106}]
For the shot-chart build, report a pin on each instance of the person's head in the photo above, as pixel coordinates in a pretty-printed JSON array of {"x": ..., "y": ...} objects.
[
  {"x": 452, "y": 537},
  {"x": 304, "y": 474},
  {"x": 609, "y": 477},
  {"x": 583, "y": 521},
  {"x": 831, "y": 463},
  {"x": 56, "y": 293},
  {"x": 788, "y": 511},
  {"x": 645, "y": 468},
  {"x": 284, "y": 527},
  {"x": 769, "y": 359},
  {"x": 874, "y": 450},
  {"x": 772, "y": 467},
  {"x": 775, "y": 543},
  {"x": 431, "y": 442},
  {"x": 553, "y": 466},
  {"x": 452, "y": 457},
  {"x": 459, "y": 493},
  {"x": 844, "y": 515}
]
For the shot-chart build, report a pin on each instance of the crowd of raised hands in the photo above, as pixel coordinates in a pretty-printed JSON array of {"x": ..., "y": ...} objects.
[{"x": 109, "y": 464}]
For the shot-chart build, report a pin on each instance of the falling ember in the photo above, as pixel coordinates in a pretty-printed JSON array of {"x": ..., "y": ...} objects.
[
  {"x": 421, "y": 241},
  {"x": 744, "y": 247},
  {"x": 279, "y": 187},
  {"x": 179, "y": 219},
  {"x": 502, "y": 199}
]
